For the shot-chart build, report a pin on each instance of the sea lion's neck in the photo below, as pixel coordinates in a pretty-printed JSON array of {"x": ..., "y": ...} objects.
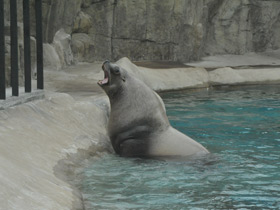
[
  {"x": 116, "y": 94},
  {"x": 120, "y": 91}
]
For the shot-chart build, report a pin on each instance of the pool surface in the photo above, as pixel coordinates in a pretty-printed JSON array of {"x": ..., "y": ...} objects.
[{"x": 241, "y": 129}]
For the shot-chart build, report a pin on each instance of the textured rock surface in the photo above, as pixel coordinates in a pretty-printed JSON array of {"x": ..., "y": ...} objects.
[
  {"x": 172, "y": 29},
  {"x": 57, "y": 15},
  {"x": 58, "y": 54},
  {"x": 178, "y": 30},
  {"x": 146, "y": 30},
  {"x": 82, "y": 23},
  {"x": 51, "y": 58},
  {"x": 240, "y": 26},
  {"x": 62, "y": 44},
  {"x": 82, "y": 47}
]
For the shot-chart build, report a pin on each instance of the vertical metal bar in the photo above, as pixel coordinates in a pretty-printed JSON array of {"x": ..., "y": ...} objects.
[
  {"x": 2, "y": 53},
  {"x": 39, "y": 44},
  {"x": 14, "y": 47},
  {"x": 27, "y": 54}
]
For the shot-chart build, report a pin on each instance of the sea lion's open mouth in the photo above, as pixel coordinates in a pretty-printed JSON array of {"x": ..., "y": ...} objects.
[{"x": 105, "y": 81}]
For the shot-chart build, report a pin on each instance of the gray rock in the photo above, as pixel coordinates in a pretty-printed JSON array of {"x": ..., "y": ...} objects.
[
  {"x": 58, "y": 54},
  {"x": 62, "y": 44},
  {"x": 176, "y": 30},
  {"x": 58, "y": 14},
  {"x": 101, "y": 13},
  {"x": 83, "y": 47},
  {"x": 158, "y": 30},
  {"x": 51, "y": 57},
  {"x": 243, "y": 26},
  {"x": 182, "y": 30},
  {"x": 82, "y": 23}
]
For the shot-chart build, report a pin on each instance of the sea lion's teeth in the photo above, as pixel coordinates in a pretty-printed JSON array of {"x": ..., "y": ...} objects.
[{"x": 105, "y": 81}]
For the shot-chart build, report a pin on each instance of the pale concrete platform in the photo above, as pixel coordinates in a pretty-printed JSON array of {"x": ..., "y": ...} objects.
[{"x": 268, "y": 59}]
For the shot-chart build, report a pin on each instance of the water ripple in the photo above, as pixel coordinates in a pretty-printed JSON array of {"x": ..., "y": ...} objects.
[{"x": 240, "y": 128}]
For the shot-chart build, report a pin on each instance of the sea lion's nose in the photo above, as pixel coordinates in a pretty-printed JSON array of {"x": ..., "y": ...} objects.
[{"x": 105, "y": 64}]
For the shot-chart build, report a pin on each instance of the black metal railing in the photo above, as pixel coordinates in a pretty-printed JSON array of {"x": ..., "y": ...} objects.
[
  {"x": 2, "y": 53},
  {"x": 14, "y": 47}
]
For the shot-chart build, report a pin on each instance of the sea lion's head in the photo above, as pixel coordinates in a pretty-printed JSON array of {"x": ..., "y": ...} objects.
[{"x": 114, "y": 77}]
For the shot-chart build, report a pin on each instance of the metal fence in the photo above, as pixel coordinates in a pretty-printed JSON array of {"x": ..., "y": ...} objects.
[{"x": 14, "y": 47}]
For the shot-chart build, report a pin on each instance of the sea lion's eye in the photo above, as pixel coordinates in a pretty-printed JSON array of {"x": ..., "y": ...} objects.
[{"x": 117, "y": 70}]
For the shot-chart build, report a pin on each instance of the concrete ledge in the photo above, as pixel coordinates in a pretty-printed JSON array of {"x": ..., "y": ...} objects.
[
  {"x": 42, "y": 143},
  {"x": 268, "y": 58},
  {"x": 199, "y": 77},
  {"x": 167, "y": 79},
  {"x": 23, "y": 98},
  {"x": 229, "y": 76}
]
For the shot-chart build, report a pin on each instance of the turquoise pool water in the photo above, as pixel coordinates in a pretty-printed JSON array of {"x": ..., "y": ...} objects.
[{"x": 241, "y": 128}]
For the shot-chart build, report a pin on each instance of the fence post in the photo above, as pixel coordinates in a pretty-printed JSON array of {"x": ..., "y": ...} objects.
[
  {"x": 14, "y": 47},
  {"x": 27, "y": 50},
  {"x": 27, "y": 54},
  {"x": 39, "y": 44},
  {"x": 2, "y": 53}
]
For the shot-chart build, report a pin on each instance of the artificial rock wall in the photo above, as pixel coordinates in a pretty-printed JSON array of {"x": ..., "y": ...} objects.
[
  {"x": 164, "y": 29},
  {"x": 176, "y": 30}
]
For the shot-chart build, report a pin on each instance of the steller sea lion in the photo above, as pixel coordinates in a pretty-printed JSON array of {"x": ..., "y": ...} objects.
[{"x": 138, "y": 125}]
